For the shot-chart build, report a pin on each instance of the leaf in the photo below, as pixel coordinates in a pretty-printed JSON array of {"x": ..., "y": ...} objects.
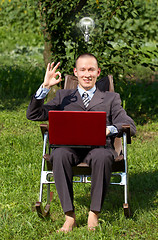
[{"x": 56, "y": 20}]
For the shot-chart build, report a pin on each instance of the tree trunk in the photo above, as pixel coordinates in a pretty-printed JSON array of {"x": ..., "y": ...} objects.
[{"x": 47, "y": 54}]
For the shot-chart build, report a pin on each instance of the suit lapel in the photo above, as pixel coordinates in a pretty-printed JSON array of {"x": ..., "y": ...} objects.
[
  {"x": 75, "y": 95},
  {"x": 96, "y": 99}
]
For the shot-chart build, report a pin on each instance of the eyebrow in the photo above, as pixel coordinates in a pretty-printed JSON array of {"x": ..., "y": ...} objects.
[{"x": 91, "y": 68}]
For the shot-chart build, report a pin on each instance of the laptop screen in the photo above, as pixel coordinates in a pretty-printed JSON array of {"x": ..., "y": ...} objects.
[{"x": 77, "y": 128}]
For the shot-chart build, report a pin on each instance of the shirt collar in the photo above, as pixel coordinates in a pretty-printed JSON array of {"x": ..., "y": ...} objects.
[{"x": 90, "y": 92}]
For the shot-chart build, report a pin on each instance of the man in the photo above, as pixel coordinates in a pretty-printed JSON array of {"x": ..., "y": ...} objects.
[{"x": 99, "y": 159}]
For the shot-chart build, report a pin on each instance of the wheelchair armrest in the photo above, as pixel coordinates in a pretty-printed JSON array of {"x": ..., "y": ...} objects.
[
  {"x": 126, "y": 129},
  {"x": 44, "y": 128}
]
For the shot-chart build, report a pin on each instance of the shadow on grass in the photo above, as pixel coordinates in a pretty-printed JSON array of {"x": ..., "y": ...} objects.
[
  {"x": 139, "y": 99},
  {"x": 143, "y": 194},
  {"x": 18, "y": 83},
  {"x": 143, "y": 189}
]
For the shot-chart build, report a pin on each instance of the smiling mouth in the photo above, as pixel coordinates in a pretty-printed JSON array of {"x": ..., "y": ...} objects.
[{"x": 87, "y": 80}]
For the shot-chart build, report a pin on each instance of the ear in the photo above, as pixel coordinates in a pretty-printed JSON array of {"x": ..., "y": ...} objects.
[
  {"x": 75, "y": 72},
  {"x": 99, "y": 71}
]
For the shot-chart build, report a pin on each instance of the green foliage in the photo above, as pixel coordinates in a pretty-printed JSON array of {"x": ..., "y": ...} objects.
[
  {"x": 20, "y": 14},
  {"x": 125, "y": 33},
  {"x": 139, "y": 99},
  {"x": 119, "y": 38},
  {"x": 146, "y": 21},
  {"x": 19, "y": 24}
]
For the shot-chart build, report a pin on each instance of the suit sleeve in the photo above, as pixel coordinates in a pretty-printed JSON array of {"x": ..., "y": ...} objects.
[
  {"x": 38, "y": 111},
  {"x": 120, "y": 117}
]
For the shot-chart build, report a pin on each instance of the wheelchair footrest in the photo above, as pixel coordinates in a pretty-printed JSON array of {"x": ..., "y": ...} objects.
[{"x": 42, "y": 212}]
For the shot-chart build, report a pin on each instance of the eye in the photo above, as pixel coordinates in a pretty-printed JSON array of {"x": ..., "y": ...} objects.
[{"x": 91, "y": 69}]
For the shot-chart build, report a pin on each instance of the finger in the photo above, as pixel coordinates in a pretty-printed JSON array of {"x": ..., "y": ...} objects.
[
  {"x": 59, "y": 80},
  {"x": 56, "y": 66},
  {"x": 58, "y": 74},
  {"x": 48, "y": 66},
  {"x": 51, "y": 66},
  {"x": 107, "y": 131}
]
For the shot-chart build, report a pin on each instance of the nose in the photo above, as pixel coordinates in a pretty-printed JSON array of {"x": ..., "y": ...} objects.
[{"x": 87, "y": 74}]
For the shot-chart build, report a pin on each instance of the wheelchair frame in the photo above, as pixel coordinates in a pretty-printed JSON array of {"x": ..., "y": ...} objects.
[{"x": 83, "y": 172}]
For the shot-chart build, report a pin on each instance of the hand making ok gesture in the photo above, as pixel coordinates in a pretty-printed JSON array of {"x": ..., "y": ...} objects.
[{"x": 51, "y": 75}]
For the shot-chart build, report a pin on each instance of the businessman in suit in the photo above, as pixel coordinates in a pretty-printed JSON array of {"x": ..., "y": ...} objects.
[{"x": 99, "y": 159}]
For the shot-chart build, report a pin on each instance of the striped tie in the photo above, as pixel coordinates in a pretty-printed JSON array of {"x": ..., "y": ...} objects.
[{"x": 85, "y": 98}]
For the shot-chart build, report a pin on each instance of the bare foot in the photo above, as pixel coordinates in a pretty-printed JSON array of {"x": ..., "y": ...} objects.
[
  {"x": 70, "y": 222},
  {"x": 93, "y": 220}
]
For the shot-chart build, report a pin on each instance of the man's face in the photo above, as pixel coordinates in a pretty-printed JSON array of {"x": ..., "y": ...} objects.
[{"x": 87, "y": 72}]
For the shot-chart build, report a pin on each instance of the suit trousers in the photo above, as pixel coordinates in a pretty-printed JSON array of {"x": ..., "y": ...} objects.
[{"x": 99, "y": 159}]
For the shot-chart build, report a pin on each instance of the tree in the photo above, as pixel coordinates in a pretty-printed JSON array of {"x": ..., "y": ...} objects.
[
  {"x": 117, "y": 39},
  {"x": 126, "y": 32}
]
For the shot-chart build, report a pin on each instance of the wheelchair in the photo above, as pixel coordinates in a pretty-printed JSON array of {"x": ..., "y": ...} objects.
[{"x": 82, "y": 170}]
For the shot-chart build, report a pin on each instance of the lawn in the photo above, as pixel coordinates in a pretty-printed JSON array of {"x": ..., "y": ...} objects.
[
  {"x": 21, "y": 155},
  {"x": 21, "y": 152}
]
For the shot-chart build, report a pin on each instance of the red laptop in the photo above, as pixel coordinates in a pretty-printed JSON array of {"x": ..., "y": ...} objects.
[{"x": 77, "y": 128}]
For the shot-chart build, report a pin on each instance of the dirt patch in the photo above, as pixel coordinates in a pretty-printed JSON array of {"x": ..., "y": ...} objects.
[{"x": 147, "y": 136}]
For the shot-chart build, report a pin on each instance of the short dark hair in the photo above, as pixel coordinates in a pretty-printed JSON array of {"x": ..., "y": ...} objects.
[{"x": 86, "y": 55}]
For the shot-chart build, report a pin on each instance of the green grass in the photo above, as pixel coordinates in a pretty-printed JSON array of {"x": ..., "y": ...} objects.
[{"x": 21, "y": 151}]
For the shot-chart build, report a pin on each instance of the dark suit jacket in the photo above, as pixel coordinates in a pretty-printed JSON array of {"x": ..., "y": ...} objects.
[{"x": 70, "y": 100}]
